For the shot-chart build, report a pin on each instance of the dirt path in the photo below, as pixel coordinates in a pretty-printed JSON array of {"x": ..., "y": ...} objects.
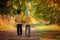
[{"x": 12, "y": 35}]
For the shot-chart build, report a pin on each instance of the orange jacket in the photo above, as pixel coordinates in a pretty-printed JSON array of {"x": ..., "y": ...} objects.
[
  {"x": 27, "y": 20},
  {"x": 19, "y": 19}
]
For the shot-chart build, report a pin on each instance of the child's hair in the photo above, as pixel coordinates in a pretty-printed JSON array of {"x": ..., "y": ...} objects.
[{"x": 18, "y": 11}]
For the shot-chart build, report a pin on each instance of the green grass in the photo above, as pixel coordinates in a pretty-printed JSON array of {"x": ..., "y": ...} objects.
[{"x": 49, "y": 28}]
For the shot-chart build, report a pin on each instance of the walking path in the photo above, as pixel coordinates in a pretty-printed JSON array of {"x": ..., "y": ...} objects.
[{"x": 12, "y": 35}]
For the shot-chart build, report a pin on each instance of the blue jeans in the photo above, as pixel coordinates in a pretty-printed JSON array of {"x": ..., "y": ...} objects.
[
  {"x": 19, "y": 29},
  {"x": 27, "y": 30}
]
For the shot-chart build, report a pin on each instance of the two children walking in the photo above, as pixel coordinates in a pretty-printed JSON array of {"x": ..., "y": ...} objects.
[{"x": 19, "y": 21}]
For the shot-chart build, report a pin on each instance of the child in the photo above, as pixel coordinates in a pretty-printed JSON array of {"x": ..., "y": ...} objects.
[
  {"x": 27, "y": 22},
  {"x": 19, "y": 23}
]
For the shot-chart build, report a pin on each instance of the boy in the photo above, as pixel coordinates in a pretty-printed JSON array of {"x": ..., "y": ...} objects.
[{"x": 19, "y": 23}]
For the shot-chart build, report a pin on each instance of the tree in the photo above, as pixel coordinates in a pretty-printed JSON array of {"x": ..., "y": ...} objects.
[
  {"x": 48, "y": 10},
  {"x": 3, "y": 6}
]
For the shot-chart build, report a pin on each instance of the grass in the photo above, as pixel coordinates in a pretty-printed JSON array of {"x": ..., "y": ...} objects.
[
  {"x": 6, "y": 28},
  {"x": 49, "y": 27}
]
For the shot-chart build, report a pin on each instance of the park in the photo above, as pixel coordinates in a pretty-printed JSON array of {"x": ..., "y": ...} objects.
[{"x": 45, "y": 19}]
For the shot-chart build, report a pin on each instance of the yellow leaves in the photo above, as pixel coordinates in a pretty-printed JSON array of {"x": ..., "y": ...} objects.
[
  {"x": 20, "y": 2},
  {"x": 35, "y": 3},
  {"x": 33, "y": 21},
  {"x": 56, "y": 4},
  {"x": 28, "y": 5},
  {"x": 59, "y": 9},
  {"x": 51, "y": 4},
  {"x": 15, "y": 7},
  {"x": 41, "y": 14},
  {"x": 8, "y": 3}
]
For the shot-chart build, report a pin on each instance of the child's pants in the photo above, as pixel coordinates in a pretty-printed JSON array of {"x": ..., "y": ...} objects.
[
  {"x": 27, "y": 30},
  {"x": 19, "y": 29}
]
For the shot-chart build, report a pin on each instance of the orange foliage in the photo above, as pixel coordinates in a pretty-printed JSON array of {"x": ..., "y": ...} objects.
[
  {"x": 47, "y": 39},
  {"x": 2, "y": 24}
]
